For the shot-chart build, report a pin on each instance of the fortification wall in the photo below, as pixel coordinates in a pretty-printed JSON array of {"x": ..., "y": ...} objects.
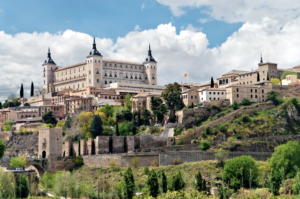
[
  {"x": 246, "y": 110},
  {"x": 287, "y": 90},
  {"x": 122, "y": 160},
  {"x": 191, "y": 156}
]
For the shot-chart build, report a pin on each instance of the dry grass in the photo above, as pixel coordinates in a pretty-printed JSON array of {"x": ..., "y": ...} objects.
[{"x": 176, "y": 161}]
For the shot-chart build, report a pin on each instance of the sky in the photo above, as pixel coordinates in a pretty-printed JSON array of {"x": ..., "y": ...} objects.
[{"x": 204, "y": 38}]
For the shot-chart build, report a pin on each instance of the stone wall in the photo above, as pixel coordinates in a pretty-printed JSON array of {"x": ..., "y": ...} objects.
[
  {"x": 4, "y": 135},
  {"x": 190, "y": 115},
  {"x": 102, "y": 144},
  {"x": 118, "y": 144},
  {"x": 287, "y": 90},
  {"x": 122, "y": 160},
  {"x": 169, "y": 130},
  {"x": 190, "y": 156},
  {"x": 221, "y": 102},
  {"x": 237, "y": 113}
]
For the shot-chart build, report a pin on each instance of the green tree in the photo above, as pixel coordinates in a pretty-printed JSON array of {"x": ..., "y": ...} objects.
[
  {"x": 171, "y": 96},
  {"x": 198, "y": 183},
  {"x": 275, "y": 81},
  {"x": 235, "y": 105},
  {"x": 19, "y": 162},
  {"x": 180, "y": 104},
  {"x": 146, "y": 116},
  {"x": 204, "y": 145},
  {"x": 96, "y": 126},
  {"x": 286, "y": 156},
  {"x": 68, "y": 122},
  {"x": 177, "y": 182},
  {"x": 158, "y": 108},
  {"x": 296, "y": 184},
  {"x": 26, "y": 104},
  {"x": 128, "y": 101},
  {"x": 21, "y": 91},
  {"x": 49, "y": 118},
  {"x": 129, "y": 183},
  {"x": 232, "y": 171},
  {"x": 212, "y": 83},
  {"x": 246, "y": 101},
  {"x": 22, "y": 189},
  {"x": 124, "y": 128},
  {"x": 2, "y": 149},
  {"x": 32, "y": 90},
  {"x": 0, "y": 105},
  {"x": 152, "y": 183},
  {"x": 47, "y": 181},
  {"x": 258, "y": 78},
  {"x": 162, "y": 179},
  {"x": 273, "y": 96}
]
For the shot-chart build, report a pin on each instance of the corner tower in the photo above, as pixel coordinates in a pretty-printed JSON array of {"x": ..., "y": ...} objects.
[
  {"x": 150, "y": 69},
  {"x": 94, "y": 68},
  {"x": 48, "y": 67}
]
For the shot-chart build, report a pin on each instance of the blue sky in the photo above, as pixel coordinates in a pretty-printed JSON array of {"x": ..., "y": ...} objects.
[{"x": 105, "y": 19}]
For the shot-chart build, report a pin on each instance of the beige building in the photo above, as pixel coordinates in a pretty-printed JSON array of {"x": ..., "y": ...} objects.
[
  {"x": 190, "y": 96},
  {"x": 50, "y": 142},
  {"x": 97, "y": 72},
  {"x": 290, "y": 80},
  {"x": 78, "y": 103},
  {"x": 143, "y": 100}
]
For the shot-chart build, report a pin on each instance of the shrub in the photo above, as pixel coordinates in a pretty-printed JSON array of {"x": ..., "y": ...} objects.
[
  {"x": 204, "y": 145},
  {"x": 254, "y": 112},
  {"x": 113, "y": 165},
  {"x": 155, "y": 163},
  {"x": 146, "y": 170},
  {"x": 282, "y": 113},
  {"x": 221, "y": 155},
  {"x": 273, "y": 96},
  {"x": 214, "y": 107},
  {"x": 177, "y": 182},
  {"x": 135, "y": 162},
  {"x": 78, "y": 161},
  {"x": 22, "y": 186},
  {"x": 237, "y": 167},
  {"x": 207, "y": 130},
  {"x": 237, "y": 136},
  {"x": 181, "y": 142},
  {"x": 176, "y": 161},
  {"x": 246, "y": 102},
  {"x": 178, "y": 130},
  {"x": 235, "y": 105},
  {"x": 246, "y": 118},
  {"x": 222, "y": 128},
  {"x": 203, "y": 134}
]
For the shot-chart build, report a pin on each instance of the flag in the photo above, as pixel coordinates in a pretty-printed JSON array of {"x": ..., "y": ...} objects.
[{"x": 185, "y": 75}]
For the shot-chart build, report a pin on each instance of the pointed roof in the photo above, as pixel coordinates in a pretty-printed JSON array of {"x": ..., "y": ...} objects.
[
  {"x": 261, "y": 60},
  {"x": 150, "y": 58},
  {"x": 49, "y": 60},
  {"x": 95, "y": 51}
]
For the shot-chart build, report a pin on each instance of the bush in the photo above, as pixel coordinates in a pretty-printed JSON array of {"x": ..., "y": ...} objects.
[
  {"x": 78, "y": 161},
  {"x": 177, "y": 182},
  {"x": 246, "y": 102},
  {"x": 178, "y": 130},
  {"x": 221, "y": 155},
  {"x": 222, "y": 128},
  {"x": 146, "y": 170},
  {"x": 135, "y": 162},
  {"x": 254, "y": 112},
  {"x": 113, "y": 165},
  {"x": 236, "y": 167},
  {"x": 235, "y": 105},
  {"x": 207, "y": 130},
  {"x": 282, "y": 113},
  {"x": 155, "y": 163},
  {"x": 203, "y": 134},
  {"x": 237, "y": 136},
  {"x": 204, "y": 145},
  {"x": 214, "y": 107},
  {"x": 273, "y": 96},
  {"x": 246, "y": 118},
  {"x": 176, "y": 161},
  {"x": 181, "y": 142}
]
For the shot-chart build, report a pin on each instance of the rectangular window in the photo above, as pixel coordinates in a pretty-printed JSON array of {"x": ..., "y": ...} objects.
[
  {"x": 89, "y": 80},
  {"x": 255, "y": 90},
  {"x": 89, "y": 72},
  {"x": 237, "y": 95},
  {"x": 97, "y": 80},
  {"x": 255, "y": 96}
]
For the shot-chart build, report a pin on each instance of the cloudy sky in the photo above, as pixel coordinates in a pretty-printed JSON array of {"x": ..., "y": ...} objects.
[{"x": 204, "y": 38}]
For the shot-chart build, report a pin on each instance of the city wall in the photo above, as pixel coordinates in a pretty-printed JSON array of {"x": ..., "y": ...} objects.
[{"x": 166, "y": 159}]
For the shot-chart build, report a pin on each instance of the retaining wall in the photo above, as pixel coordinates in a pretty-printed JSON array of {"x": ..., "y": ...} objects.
[{"x": 191, "y": 156}]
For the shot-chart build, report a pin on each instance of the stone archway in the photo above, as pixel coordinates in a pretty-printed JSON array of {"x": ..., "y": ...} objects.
[{"x": 38, "y": 169}]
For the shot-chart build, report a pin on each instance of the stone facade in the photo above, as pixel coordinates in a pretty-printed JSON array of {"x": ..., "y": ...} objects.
[
  {"x": 143, "y": 100},
  {"x": 102, "y": 144},
  {"x": 50, "y": 142},
  {"x": 118, "y": 144},
  {"x": 190, "y": 96},
  {"x": 96, "y": 72}
]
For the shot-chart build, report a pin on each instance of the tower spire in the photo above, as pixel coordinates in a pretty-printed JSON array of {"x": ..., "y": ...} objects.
[
  {"x": 49, "y": 60},
  {"x": 150, "y": 58},
  {"x": 261, "y": 60},
  {"x": 95, "y": 51}
]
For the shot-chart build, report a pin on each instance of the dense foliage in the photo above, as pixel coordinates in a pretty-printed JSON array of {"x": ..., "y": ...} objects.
[{"x": 49, "y": 118}]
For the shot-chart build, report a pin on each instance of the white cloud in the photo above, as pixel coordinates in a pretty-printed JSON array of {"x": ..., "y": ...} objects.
[
  {"x": 137, "y": 28},
  {"x": 22, "y": 55},
  {"x": 1, "y": 11},
  {"x": 143, "y": 6},
  {"x": 204, "y": 20},
  {"x": 239, "y": 10},
  {"x": 191, "y": 28}
]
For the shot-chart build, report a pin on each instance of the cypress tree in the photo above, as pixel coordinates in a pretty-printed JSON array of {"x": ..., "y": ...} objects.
[
  {"x": 203, "y": 185},
  {"x": 139, "y": 118},
  {"x": 32, "y": 90},
  {"x": 258, "y": 79},
  {"x": 177, "y": 182},
  {"x": 212, "y": 84},
  {"x": 21, "y": 91},
  {"x": 0, "y": 105},
  {"x": 22, "y": 189},
  {"x": 198, "y": 178},
  {"x": 192, "y": 105},
  {"x": 129, "y": 183},
  {"x": 96, "y": 126},
  {"x": 152, "y": 183},
  {"x": 268, "y": 79},
  {"x": 70, "y": 151},
  {"x": 79, "y": 148},
  {"x": 163, "y": 180}
]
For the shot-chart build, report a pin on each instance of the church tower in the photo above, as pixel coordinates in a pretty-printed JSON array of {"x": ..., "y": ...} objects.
[
  {"x": 94, "y": 68},
  {"x": 150, "y": 69},
  {"x": 48, "y": 67}
]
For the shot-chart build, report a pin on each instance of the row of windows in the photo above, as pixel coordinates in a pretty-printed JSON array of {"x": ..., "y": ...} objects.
[
  {"x": 185, "y": 96},
  {"x": 218, "y": 93},
  {"x": 223, "y": 81},
  {"x": 70, "y": 71},
  {"x": 237, "y": 95},
  {"x": 251, "y": 90},
  {"x": 126, "y": 76}
]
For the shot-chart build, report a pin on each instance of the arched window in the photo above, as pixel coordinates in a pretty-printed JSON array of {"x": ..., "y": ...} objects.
[
  {"x": 116, "y": 75},
  {"x": 110, "y": 75},
  {"x": 191, "y": 97},
  {"x": 105, "y": 74},
  {"x": 44, "y": 154},
  {"x": 140, "y": 77},
  {"x": 153, "y": 77},
  {"x": 105, "y": 82},
  {"x": 131, "y": 77},
  {"x": 237, "y": 89},
  {"x": 146, "y": 77},
  {"x": 135, "y": 77},
  {"x": 126, "y": 76}
]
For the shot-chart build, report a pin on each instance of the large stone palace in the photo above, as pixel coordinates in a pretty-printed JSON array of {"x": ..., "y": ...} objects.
[{"x": 99, "y": 73}]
